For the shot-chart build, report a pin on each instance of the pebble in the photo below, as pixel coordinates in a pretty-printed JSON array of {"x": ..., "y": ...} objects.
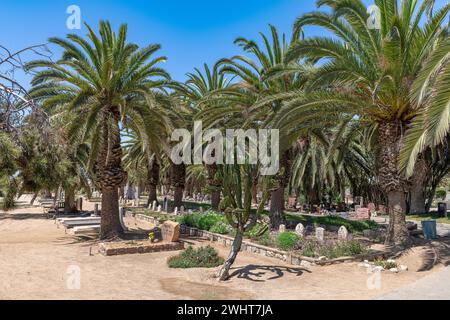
[
  {"x": 403, "y": 268},
  {"x": 394, "y": 270}
]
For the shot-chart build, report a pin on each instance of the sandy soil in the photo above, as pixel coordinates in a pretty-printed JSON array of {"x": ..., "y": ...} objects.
[{"x": 36, "y": 260}]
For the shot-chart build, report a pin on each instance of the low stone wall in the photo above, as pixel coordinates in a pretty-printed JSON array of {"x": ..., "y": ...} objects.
[
  {"x": 254, "y": 248},
  {"x": 115, "y": 249}
]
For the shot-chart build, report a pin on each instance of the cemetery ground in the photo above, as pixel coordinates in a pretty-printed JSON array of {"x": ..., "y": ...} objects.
[{"x": 36, "y": 259}]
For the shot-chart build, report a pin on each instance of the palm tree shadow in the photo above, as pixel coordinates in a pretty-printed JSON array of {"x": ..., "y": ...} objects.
[
  {"x": 437, "y": 252},
  {"x": 256, "y": 272}
]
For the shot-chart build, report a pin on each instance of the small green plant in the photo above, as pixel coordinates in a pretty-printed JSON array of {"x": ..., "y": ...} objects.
[
  {"x": 203, "y": 257},
  {"x": 221, "y": 228},
  {"x": 266, "y": 240},
  {"x": 258, "y": 231},
  {"x": 385, "y": 264},
  {"x": 441, "y": 193},
  {"x": 287, "y": 240},
  {"x": 209, "y": 219},
  {"x": 151, "y": 236}
]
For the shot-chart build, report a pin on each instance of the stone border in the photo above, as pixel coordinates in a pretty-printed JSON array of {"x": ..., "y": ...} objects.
[
  {"x": 106, "y": 250},
  {"x": 251, "y": 247}
]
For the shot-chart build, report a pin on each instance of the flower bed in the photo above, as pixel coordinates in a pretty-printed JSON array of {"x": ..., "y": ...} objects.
[{"x": 292, "y": 257}]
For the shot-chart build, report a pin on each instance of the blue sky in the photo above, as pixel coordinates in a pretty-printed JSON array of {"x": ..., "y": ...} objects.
[{"x": 190, "y": 32}]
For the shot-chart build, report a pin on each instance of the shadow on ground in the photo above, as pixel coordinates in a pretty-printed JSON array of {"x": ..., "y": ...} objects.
[{"x": 259, "y": 273}]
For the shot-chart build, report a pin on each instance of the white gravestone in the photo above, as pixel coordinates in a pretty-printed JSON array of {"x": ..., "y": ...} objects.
[
  {"x": 282, "y": 228},
  {"x": 342, "y": 233},
  {"x": 300, "y": 230},
  {"x": 320, "y": 233}
]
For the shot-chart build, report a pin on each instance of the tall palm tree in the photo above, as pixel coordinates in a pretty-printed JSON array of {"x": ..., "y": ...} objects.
[
  {"x": 368, "y": 73},
  {"x": 105, "y": 81},
  {"x": 256, "y": 83},
  {"x": 196, "y": 91}
]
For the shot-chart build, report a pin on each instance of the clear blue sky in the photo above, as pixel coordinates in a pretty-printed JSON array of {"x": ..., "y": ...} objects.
[{"x": 190, "y": 32}]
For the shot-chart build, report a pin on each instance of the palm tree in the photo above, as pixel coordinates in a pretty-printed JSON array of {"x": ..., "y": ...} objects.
[
  {"x": 367, "y": 73},
  {"x": 256, "y": 84},
  {"x": 105, "y": 82},
  {"x": 196, "y": 91}
]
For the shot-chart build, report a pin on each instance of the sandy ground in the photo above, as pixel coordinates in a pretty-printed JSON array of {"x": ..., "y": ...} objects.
[{"x": 38, "y": 261}]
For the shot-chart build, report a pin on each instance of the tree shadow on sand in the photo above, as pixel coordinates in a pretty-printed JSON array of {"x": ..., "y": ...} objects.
[
  {"x": 257, "y": 272},
  {"x": 23, "y": 216}
]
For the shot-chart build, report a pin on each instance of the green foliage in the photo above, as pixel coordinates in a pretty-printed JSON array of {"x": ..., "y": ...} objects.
[
  {"x": 342, "y": 249},
  {"x": 388, "y": 264},
  {"x": 258, "y": 230},
  {"x": 441, "y": 193},
  {"x": 209, "y": 219},
  {"x": 287, "y": 240},
  {"x": 221, "y": 228},
  {"x": 203, "y": 257}
]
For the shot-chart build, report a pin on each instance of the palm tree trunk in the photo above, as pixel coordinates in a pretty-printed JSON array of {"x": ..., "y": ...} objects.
[
  {"x": 110, "y": 176},
  {"x": 419, "y": 182},
  {"x": 392, "y": 182},
  {"x": 110, "y": 227},
  {"x": 153, "y": 181},
  {"x": 277, "y": 208},
  {"x": 178, "y": 181},
  {"x": 214, "y": 185},
  {"x": 70, "y": 205},
  {"x": 277, "y": 205}
]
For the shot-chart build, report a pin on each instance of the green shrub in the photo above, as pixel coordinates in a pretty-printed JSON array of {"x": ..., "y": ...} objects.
[
  {"x": 309, "y": 248},
  {"x": 267, "y": 240},
  {"x": 209, "y": 219},
  {"x": 258, "y": 231},
  {"x": 342, "y": 249},
  {"x": 352, "y": 226},
  {"x": 441, "y": 193},
  {"x": 203, "y": 257},
  {"x": 385, "y": 264},
  {"x": 287, "y": 240},
  {"x": 221, "y": 228}
]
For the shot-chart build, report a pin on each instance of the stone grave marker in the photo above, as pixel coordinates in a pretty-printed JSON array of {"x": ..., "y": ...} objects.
[
  {"x": 170, "y": 231},
  {"x": 282, "y": 228},
  {"x": 363, "y": 214},
  {"x": 175, "y": 212},
  {"x": 300, "y": 230},
  {"x": 320, "y": 234},
  {"x": 159, "y": 208},
  {"x": 342, "y": 233}
]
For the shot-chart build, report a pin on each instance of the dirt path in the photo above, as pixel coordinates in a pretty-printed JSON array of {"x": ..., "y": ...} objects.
[{"x": 37, "y": 261}]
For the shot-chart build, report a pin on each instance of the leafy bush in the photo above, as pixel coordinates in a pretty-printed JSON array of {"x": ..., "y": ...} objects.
[
  {"x": 267, "y": 240},
  {"x": 221, "y": 228},
  {"x": 209, "y": 219},
  {"x": 441, "y": 193},
  {"x": 287, "y": 240},
  {"x": 309, "y": 248},
  {"x": 388, "y": 264},
  {"x": 342, "y": 249},
  {"x": 203, "y": 257},
  {"x": 258, "y": 231}
]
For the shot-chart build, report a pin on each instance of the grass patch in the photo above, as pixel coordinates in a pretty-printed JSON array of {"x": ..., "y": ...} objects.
[
  {"x": 429, "y": 216},
  {"x": 352, "y": 226},
  {"x": 287, "y": 240},
  {"x": 203, "y": 257}
]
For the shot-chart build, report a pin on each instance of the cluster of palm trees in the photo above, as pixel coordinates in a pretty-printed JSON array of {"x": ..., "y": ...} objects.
[{"x": 358, "y": 107}]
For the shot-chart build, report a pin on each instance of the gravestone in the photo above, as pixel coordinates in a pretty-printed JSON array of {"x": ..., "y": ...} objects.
[
  {"x": 182, "y": 210},
  {"x": 442, "y": 209},
  {"x": 342, "y": 233},
  {"x": 166, "y": 206},
  {"x": 170, "y": 231},
  {"x": 154, "y": 207},
  {"x": 190, "y": 211},
  {"x": 371, "y": 206},
  {"x": 175, "y": 212},
  {"x": 320, "y": 234},
  {"x": 282, "y": 228},
  {"x": 363, "y": 214},
  {"x": 159, "y": 208},
  {"x": 300, "y": 230}
]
